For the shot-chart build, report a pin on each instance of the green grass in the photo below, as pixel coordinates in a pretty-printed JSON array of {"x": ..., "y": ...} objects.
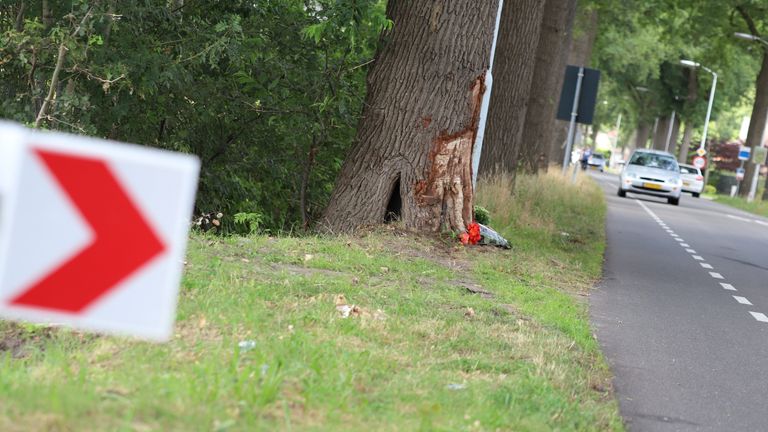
[
  {"x": 757, "y": 206},
  {"x": 423, "y": 353}
]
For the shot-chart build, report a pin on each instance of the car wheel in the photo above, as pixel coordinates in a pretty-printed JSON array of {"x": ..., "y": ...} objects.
[
  {"x": 622, "y": 193},
  {"x": 673, "y": 201},
  {"x": 695, "y": 194}
]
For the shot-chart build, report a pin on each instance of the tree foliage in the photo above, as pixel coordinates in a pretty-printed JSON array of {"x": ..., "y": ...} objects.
[{"x": 266, "y": 92}]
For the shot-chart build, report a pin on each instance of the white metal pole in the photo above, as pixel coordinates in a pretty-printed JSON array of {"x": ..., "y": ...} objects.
[
  {"x": 709, "y": 108},
  {"x": 572, "y": 124},
  {"x": 753, "y": 186},
  {"x": 477, "y": 148}
]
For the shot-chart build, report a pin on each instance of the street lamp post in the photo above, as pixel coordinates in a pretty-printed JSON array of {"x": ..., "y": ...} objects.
[
  {"x": 693, "y": 64},
  {"x": 756, "y": 174}
]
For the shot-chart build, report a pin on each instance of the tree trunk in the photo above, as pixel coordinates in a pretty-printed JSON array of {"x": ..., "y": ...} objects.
[
  {"x": 304, "y": 187},
  {"x": 513, "y": 73},
  {"x": 686, "y": 145},
  {"x": 579, "y": 54},
  {"x": 659, "y": 137},
  {"x": 548, "y": 73},
  {"x": 420, "y": 119},
  {"x": 20, "y": 17},
  {"x": 47, "y": 15},
  {"x": 757, "y": 122},
  {"x": 643, "y": 132}
]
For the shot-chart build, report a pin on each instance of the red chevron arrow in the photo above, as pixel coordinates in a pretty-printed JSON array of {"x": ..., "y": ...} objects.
[{"x": 123, "y": 241}]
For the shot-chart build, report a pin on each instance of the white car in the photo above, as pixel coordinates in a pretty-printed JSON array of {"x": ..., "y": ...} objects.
[
  {"x": 596, "y": 161},
  {"x": 693, "y": 181},
  {"x": 652, "y": 172}
]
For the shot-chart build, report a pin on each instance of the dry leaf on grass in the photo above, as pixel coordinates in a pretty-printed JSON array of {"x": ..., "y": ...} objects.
[{"x": 469, "y": 313}]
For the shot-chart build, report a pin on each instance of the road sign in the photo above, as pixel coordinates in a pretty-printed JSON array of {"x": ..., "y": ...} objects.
[
  {"x": 744, "y": 152},
  {"x": 587, "y": 95},
  {"x": 699, "y": 162},
  {"x": 93, "y": 233},
  {"x": 739, "y": 174},
  {"x": 760, "y": 155},
  {"x": 701, "y": 151}
]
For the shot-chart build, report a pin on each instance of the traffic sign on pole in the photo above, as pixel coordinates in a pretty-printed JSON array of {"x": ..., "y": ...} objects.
[
  {"x": 744, "y": 152},
  {"x": 701, "y": 151},
  {"x": 739, "y": 174},
  {"x": 93, "y": 233},
  {"x": 699, "y": 162}
]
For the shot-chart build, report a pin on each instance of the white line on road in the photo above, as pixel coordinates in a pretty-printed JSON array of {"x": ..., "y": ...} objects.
[
  {"x": 761, "y": 223},
  {"x": 760, "y": 316},
  {"x": 679, "y": 239},
  {"x": 727, "y": 286},
  {"x": 690, "y": 251},
  {"x": 674, "y": 235},
  {"x": 743, "y": 300},
  {"x": 743, "y": 219},
  {"x": 685, "y": 245},
  {"x": 706, "y": 266},
  {"x": 698, "y": 258},
  {"x": 716, "y": 275}
]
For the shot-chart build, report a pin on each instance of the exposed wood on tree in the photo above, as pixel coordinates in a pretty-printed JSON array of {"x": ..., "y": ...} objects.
[
  {"x": 420, "y": 119},
  {"x": 513, "y": 74}
]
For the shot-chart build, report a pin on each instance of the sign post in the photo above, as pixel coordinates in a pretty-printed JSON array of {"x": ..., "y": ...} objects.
[
  {"x": 577, "y": 103},
  {"x": 759, "y": 159},
  {"x": 93, "y": 233}
]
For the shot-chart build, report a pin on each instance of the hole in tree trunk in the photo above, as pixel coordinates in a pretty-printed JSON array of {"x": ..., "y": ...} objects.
[{"x": 395, "y": 204}]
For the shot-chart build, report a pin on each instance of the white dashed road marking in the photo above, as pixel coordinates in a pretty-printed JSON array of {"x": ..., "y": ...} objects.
[
  {"x": 743, "y": 219},
  {"x": 759, "y": 316}
]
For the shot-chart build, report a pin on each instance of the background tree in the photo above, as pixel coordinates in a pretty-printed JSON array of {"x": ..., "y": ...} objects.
[
  {"x": 551, "y": 54},
  {"x": 513, "y": 75}
]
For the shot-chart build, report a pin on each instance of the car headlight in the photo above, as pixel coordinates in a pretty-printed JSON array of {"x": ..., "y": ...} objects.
[{"x": 630, "y": 175}]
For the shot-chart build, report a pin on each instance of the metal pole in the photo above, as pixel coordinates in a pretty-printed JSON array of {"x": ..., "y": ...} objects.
[
  {"x": 669, "y": 130},
  {"x": 477, "y": 148},
  {"x": 738, "y": 183},
  {"x": 572, "y": 124},
  {"x": 753, "y": 186},
  {"x": 653, "y": 138},
  {"x": 709, "y": 107}
]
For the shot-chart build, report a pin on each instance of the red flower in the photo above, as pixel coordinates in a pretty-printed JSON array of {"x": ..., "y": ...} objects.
[
  {"x": 473, "y": 229},
  {"x": 464, "y": 238}
]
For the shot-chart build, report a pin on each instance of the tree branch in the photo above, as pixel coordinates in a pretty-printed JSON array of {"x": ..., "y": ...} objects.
[{"x": 748, "y": 20}]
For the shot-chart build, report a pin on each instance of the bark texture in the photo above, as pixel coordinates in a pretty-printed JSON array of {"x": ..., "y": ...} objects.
[
  {"x": 685, "y": 146},
  {"x": 420, "y": 119},
  {"x": 551, "y": 55},
  {"x": 662, "y": 130},
  {"x": 579, "y": 54},
  {"x": 757, "y": 122},
  {"x": 512, "y": 76},
  {"x": 643, "y": 132}
]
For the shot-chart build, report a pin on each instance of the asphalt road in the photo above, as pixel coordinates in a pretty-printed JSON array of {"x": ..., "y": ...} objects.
[{"x": 682, "y": 313}]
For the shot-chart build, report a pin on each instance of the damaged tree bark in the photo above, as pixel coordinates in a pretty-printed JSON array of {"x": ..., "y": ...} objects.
[{"x": 414, "y": 143}]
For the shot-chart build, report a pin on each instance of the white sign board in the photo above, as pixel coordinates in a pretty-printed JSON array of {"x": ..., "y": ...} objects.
[{"x": 92, "y": 233}]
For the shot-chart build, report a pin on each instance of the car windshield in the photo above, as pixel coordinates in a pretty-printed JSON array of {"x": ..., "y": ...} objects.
[
  {"x": 597, "y": 156},
  {"x": 654, "y": 160}
]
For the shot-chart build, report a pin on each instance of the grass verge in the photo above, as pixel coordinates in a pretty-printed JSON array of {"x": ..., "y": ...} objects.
[
  {"x": 757, "y": 206},
  {"x": 441, "y": 337}
]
